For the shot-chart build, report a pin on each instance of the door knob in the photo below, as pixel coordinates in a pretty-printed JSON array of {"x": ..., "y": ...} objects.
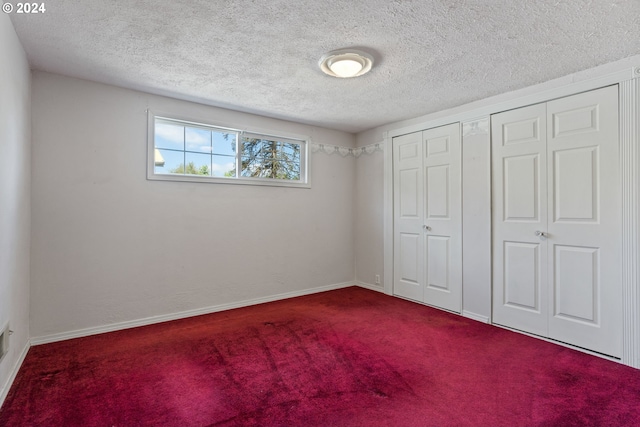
[
  {"x": 426, "y": 228},
  {"x": 541, "y": 233}
]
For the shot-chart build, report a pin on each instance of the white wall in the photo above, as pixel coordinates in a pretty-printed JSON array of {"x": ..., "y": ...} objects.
[
  {"x": 15, "y": 204},
  {"x": 476, "y": 220},
  {"x": 369, "y": 212},
  {"x": 110, "y": 246}
]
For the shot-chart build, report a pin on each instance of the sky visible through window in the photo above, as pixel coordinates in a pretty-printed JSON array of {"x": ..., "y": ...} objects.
[{"x": 203, "y": 151}]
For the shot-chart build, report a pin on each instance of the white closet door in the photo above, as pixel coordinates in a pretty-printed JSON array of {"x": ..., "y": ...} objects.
[
  {"x": 584, "y": 216},
  {"x": 520, "y": 213},
  {"x": 408, "y": 235},
  {"x": 443, "y": 217},
  {"x": 557, "y": 220}
]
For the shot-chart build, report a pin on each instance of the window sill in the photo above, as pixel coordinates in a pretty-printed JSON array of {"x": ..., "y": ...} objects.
[{"x": 233, "y": 181}]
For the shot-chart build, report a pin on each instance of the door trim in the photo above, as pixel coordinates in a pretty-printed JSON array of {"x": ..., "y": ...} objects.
[{"x": 629, "y": 111}]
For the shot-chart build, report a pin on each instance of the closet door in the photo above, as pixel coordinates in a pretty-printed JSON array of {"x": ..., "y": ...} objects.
[
  {"x": 443, "y": 217},
  {"x": 408, "y": 235},
  {"x": 520, "y": 217},
  {"x": 584, "y": 216},
  {"x": 427, "y": 202},
  {"x": 557, "y": 220}
]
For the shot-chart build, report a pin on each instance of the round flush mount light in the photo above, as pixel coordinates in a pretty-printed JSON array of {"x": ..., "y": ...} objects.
[{"x": 346, "y": 63}]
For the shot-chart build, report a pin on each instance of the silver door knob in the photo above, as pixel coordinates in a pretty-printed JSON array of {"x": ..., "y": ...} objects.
[
  {"x": 426, "y": 228},
  {"x": 541, "y": 233}
]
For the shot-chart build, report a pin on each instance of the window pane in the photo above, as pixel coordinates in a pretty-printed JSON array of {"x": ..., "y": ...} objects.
[
  {"x": 265, "y": 158},
  {"x": 291, "y": 151},
  {"x": 296, "y": 172},
  {"x": 251, "y": 166},
  {"x": 224, "y": 166},
  {"x": 168, "y": 162},
  {"x": 269, "y": 149},
  {"x": 251, "y": 157},
  {"x": 224, "y": 143},
  {"x": 169, "y": 136},
  {"x": 258, "y": 171},
  {"x": 198, "y": 164},
  {"x": 251, "y": 147},
  {"x": 198, "y": 140},
  {"x": 286, "y": 170}
]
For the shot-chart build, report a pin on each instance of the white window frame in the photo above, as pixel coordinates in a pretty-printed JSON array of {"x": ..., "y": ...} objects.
[{"x": 304, "y": 142}]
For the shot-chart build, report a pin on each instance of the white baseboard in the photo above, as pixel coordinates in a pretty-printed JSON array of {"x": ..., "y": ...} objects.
[
  {"x": 369, "y": 286},
  {"x": 474, "y": 316},
  {"x": 181, "y": 315},
  {"x": 7, "y": 386}
]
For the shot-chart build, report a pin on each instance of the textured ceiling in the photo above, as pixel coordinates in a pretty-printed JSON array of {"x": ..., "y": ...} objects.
[{"x": 261, "y": 56}]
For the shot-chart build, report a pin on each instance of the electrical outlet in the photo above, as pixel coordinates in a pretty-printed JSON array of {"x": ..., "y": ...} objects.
[{"x": 377, "y": 279}]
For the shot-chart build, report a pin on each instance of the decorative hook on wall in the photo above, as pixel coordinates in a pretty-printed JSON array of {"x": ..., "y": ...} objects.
[{"x": 345, "y": 151}]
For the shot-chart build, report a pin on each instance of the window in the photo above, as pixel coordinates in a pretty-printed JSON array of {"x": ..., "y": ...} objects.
[{"x": 182, "y": 150}]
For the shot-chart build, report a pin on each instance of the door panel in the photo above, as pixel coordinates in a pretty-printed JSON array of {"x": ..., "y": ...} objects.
[
  {"x": 437, "y": 184},
  {"x": 408, "y": 193},
  {"x": 576, "y": 185},
  {"x": 520, "y": 210},
  {"x": 522, "y": 276},
  {"x": 443, "y": 217},
  {"x": 408, "y": 237},
  {"x": 575, "y": 121},
  {"x": 409, "y": 261},
  {"x": 585, "y": 221},
  {"x": 438, "y": 263},
  {"x": 521, "y": 188},
  {"x": 438, "y": 145},
  {"x": 522, "y": 131},
  {"x": 408, "y": 151},
  {"x": 576, "y": 287}
]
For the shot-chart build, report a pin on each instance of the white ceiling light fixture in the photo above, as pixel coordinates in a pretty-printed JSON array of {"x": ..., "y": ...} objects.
[{"x": 346, "y": 63}]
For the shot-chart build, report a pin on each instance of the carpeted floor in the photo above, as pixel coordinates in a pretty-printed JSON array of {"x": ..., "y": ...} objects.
[{"x": 350, "y": 357}]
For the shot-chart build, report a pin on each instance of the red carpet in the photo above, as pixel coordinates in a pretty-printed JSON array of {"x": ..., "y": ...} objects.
[{"x": 349, "y": 357}]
